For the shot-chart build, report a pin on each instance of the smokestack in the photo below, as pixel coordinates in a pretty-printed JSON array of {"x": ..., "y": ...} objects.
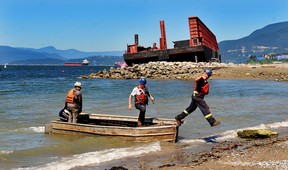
[
  {"x": 136, "y": 39},
  {"x": 163, "y": 43}
]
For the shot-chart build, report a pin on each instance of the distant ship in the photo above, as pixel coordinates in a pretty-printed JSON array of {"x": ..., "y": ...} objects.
[{"x": 84, "y": 63}]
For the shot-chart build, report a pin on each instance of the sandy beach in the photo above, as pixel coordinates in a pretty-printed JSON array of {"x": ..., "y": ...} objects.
[
  {"x": 240, "y": 154},
  {"x": 273, "y": 72}
]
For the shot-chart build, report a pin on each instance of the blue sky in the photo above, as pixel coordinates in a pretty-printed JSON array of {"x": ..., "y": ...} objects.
[{"x": 109, "y": 25}]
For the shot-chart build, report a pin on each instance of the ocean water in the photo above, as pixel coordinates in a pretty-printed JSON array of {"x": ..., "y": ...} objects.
[{"x": 32, "y": 96}]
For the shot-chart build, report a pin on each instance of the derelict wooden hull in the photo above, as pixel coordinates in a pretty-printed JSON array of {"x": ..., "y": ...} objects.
[{"x": 123, "y": 127}]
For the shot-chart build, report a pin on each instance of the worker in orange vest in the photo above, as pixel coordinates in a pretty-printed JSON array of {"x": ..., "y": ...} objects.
[{"x": 73, "y": 102}]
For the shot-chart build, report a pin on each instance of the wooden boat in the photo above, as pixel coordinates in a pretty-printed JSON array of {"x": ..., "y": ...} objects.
[{"x": 124, "y": 127}]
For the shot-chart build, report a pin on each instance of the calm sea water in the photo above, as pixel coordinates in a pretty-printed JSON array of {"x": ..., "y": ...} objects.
[{"x": 32, "y": 96}]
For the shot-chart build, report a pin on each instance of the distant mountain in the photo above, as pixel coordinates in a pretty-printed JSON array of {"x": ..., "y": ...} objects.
[
  {"x": 10, "y": 54},
  {"x": 100, "y": 60},
  {"x": 270, "y": 39},
  {"x": 51, "y": 55},
  {"x": 43, "y": 61},
  {"x": 74, "y": 54}
]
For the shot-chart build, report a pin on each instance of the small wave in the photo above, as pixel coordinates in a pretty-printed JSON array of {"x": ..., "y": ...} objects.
[
  {"x": 232, "y": 134},
  {"x": 278, "y": 125},
  {"x": 97, "y": 157},
  {"x": 39, "y": 129},
  {"x": 6, "y": 152}
]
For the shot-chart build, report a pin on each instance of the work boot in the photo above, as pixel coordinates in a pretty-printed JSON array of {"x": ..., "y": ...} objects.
[
  {"x": 139, "y": 123},
  {"x": 216, "y": 123},
  {"x": 179, "y": 121}
]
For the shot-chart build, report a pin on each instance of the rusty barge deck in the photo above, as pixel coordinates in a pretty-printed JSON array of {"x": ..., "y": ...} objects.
[{"x": 201, "y": 47}]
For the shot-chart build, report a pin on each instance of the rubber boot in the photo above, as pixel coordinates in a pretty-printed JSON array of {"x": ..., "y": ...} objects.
[
  {"x": 139, "y": 123},
  {"x": 179, "y": 118},
  {"x": 212, "y": 121}
]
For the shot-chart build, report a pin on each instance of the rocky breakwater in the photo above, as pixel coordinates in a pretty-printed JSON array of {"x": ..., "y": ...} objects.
[
  {"x": 189, "y": 70},
  {"x": 155, "y": 70}
]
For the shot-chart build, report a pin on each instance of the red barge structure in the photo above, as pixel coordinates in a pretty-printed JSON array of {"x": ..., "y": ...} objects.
[{"x": 201, "y": 47}]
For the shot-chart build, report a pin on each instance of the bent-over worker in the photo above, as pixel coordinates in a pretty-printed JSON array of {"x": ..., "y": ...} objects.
[{"x": 73, "y": 102}]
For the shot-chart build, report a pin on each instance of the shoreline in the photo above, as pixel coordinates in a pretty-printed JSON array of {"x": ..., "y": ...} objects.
[
  {"x": 190, "y": 70},
  {"x": 236, "y": 154},
  {"x": 239, "y": 154}
]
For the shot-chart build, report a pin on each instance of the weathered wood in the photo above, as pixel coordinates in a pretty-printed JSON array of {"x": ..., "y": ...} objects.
[
  {"x": 117, "y": 126},
  {"x": 129, "y": 118}
]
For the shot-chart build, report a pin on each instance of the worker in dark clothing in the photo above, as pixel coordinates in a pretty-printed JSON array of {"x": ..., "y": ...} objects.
[
  {"x": 201, "y": 88},
  {"x": 73, "y": 102}
]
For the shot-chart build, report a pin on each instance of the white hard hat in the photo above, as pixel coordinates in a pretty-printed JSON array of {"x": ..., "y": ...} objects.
[{"x": 78, "y": 84}]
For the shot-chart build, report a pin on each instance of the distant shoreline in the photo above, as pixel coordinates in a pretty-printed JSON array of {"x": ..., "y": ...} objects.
[
  {"x": 189, "y": 70},
  {"x": 54, "y": 65}
]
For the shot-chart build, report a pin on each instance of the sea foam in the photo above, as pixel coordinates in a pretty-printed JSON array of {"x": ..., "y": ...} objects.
[
  {"x": 92, "y": 158},
  {"x": 232, "y": 134}
]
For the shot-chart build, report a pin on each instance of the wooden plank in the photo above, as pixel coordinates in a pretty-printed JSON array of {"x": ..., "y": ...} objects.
[
  {"x": 130, "y": 118},
  {"x": 115, "y": 130},
  {"x": 110, "y": 125},
  {"x": 167, "y": 138}
]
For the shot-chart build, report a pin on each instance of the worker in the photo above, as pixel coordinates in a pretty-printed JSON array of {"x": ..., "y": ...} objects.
[
  {"x": 141, "y": 95},
  {"x": 73, "y": 102},
  {"x": 201, "y": 88}
]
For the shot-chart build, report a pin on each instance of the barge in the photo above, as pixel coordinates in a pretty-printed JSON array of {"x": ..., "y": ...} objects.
[
  {"x": 123, "y": 127},
  {"x": 201, "y": 47}
]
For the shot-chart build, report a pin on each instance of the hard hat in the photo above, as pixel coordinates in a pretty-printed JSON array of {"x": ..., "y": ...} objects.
[
  {"x": 78, "y": 84},
  {"x": 208, "y": 72},
  {"x": 142, "y": 80}
]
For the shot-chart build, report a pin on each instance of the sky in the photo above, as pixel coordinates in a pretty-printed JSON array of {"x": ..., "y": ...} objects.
[{"x": 109, "y": 25}]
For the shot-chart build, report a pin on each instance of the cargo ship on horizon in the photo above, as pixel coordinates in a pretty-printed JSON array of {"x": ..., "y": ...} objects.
[{"x": 84, "y": 63}]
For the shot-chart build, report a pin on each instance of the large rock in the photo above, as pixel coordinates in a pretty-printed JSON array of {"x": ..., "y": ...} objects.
[{"x": 259, "y": 133}]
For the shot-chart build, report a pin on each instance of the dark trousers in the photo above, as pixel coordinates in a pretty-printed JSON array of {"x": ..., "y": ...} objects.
[
  {"x": 198, "y": 101},
  {"x": 142, "y": 109}
]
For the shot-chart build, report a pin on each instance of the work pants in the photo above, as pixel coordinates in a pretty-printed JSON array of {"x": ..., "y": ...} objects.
[
  {"x": 73, "y": 116},
  {"x": 142, "y": 109},
  {"x": 198, "y": 101}
]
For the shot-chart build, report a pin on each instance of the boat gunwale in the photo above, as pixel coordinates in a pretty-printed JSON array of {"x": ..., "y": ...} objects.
[{"x": 159, "y": 128}]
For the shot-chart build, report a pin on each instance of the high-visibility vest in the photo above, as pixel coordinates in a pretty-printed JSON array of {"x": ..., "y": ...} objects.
[
  {"x": 142, "y": 98},
  {"x": 204, "y": 89},
  {"x": 70, "y": 96}
]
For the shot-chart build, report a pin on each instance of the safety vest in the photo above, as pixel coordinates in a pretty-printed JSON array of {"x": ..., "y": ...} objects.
[
  {"x": 70, "y": 96},
  {"x": 204, "y": 89},
  {"x": 142, "y": 98}
]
